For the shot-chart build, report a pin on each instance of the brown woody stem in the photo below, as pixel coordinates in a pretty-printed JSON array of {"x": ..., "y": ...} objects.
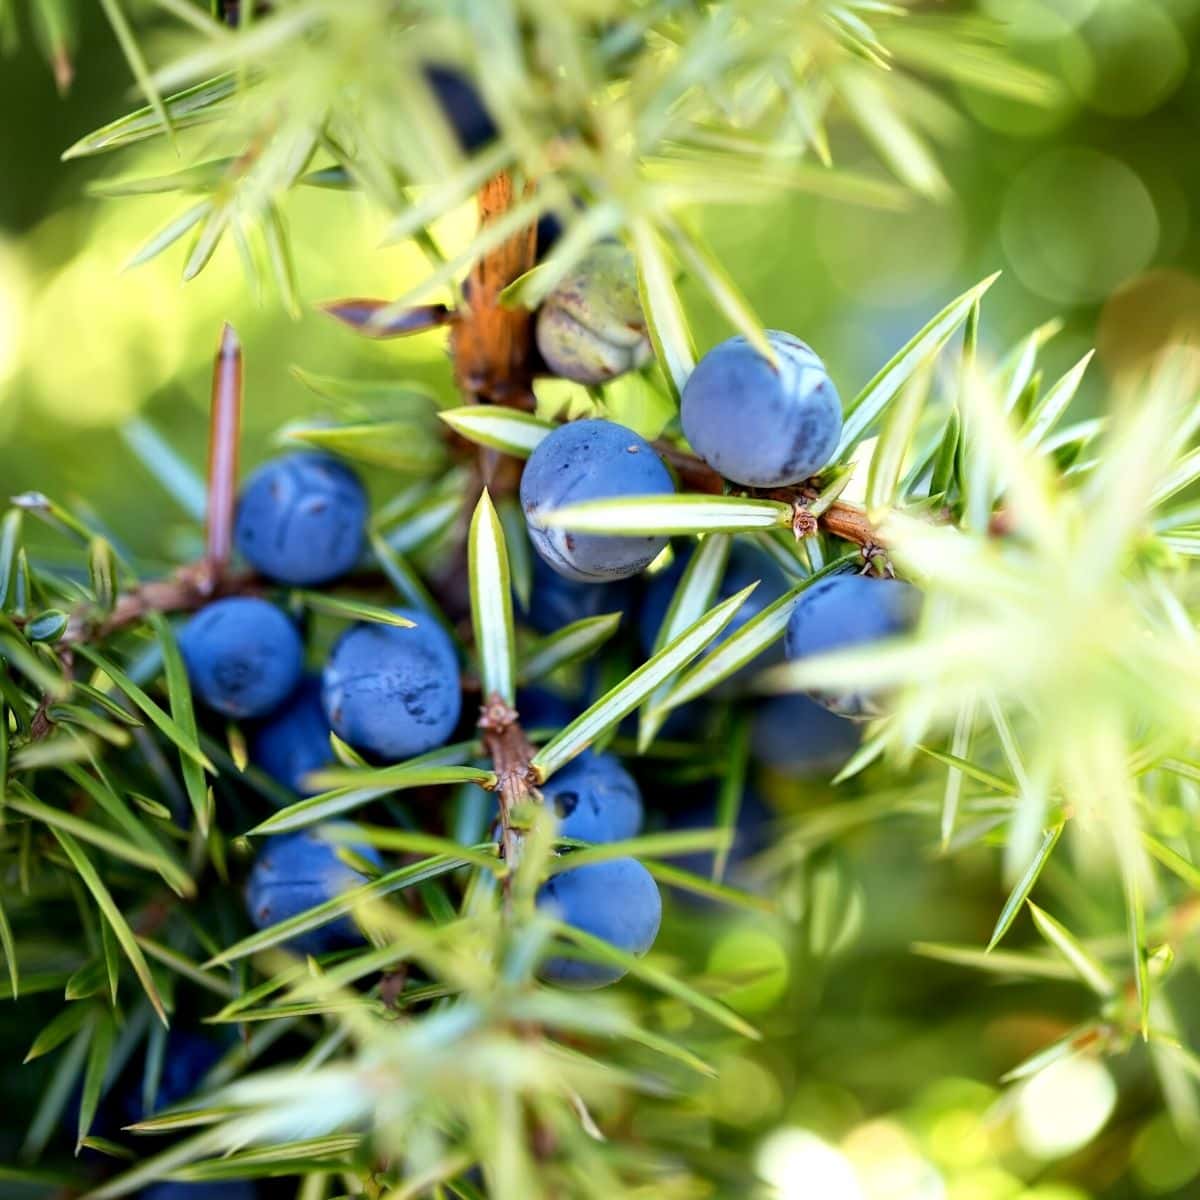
[
  {"x": 492, "y": 349},
  {"x": 491, "y": 344},
  {"x": 186, "y": 590},
  {"x": 511, "y": 754}
]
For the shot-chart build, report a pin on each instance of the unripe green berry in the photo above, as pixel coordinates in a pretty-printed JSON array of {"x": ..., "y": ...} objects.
[{"x": 591, "y": 328}]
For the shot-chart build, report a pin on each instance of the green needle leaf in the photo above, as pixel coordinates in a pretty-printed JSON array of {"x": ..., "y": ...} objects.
[
  {"x": 137, "y": 63},
  {"x": 1088, "y": 969},
  {"x": 1024, "y": 886},
  {"x": 668, "y": 515},
  {"x": 165, "y": 724},
  {"x": 612, "y": 708},
  {"x": 352, "y": 788},
  {"x": 580, "y": 639},
  {"x": 507, "y": 429},
  {"x": 179, "y": 692},
  {"x": 103, "y": 1034},
  {"x": 352, "y": 610},
  {"x": 108, "y": 906},
  {"x": 491, "y": 603}
]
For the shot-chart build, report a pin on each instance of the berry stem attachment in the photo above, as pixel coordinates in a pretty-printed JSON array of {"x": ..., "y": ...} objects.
[
  {"x": 840, "y": 519},
  {"x": 224, "y": 434}
]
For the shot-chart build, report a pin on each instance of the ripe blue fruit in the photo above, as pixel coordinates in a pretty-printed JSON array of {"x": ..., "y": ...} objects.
[
  {"x": 187, "y": 1058},
  {"x": 212, "y": 1189},
  {"x": 617, "y": 901},
  {"x": 393, "y": 692},
  {"x": 591, "y": 460},
  {"x": 746, "y": 565},
  {"x": 462, "y": 106},
  {"x": 243, "y": 656},
  {"x": 549, "y": 230},
  {"x": 844, "y": 611},
  {"x": 296, "y": 871},
  {"x": 590, "y": 328},
  {"x": 751, "y": 835},
  {"x": 759, "y": 425},
  {"x": 294, "y": 740},
  {"x": 300, "y": 519},
  {"x": 540, "y": 708},
  {"x": 555, "y": 601},
  {"x": 595, "y": 798},
  {"x": 796, "y": 736}
]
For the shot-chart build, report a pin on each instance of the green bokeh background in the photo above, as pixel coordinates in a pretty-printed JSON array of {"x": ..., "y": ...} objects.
[{"x": 1089, "y": 208}]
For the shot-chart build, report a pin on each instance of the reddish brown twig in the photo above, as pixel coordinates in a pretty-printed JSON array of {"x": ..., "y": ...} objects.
[
  {"x": 188, "y": 589},
  {"x": 492, "y": 345},
  {"x": 225, "y": 427}
]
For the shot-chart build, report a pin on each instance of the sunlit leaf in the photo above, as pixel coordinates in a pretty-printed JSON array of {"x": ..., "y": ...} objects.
[
  {"x": 1084, "y": 964},
  {"x": 1024, "y": 885},
  {"x": 668, "y": 515},
  {"x": 491, "y": 603},
  {"x": 665, "y": 319},
  {"x": 507, "y": 429},
  {"x": 352, "y": 610}
]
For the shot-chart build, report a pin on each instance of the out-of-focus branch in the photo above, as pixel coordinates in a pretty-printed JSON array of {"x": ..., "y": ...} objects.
[
  {"x": 188, "y": 589},
  {"x": 224, "y": 435}
]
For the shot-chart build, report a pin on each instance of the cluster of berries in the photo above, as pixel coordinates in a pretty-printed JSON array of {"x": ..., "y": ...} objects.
[
  {"x": 390, "y": 693},
  {"x": 394, "y": 693}
]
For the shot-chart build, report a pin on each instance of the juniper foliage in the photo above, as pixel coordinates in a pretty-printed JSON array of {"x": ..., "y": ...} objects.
[{"x": 1045, "y": 703}]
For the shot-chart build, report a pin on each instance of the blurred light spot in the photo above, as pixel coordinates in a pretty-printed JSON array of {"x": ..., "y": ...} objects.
[
  {"x": 1162, "y": 1160},
  {"x": 1076, "y": 224},
  {"x": 1039, "y": 19},
  {"x": 890, "y": 259},
  {"x": 1064, "y": 1106},
  {"x": 1046, "y": 41},
  {"x": 959, "y": 1138},
  {"x": 754, "y": 966},
  {"x": 889, "y": 1166},
  {"x": 1055, "y": 1191},
  {"x": 13, "y": 299},
  {"x": 1158, "y": 309},
  {"x": 986, "y": 1183},
  {"x": 798, "y": 1165},
  {"x": 92, "y": 361},
  {"x": 1139, "y": 58},
  {"x": 746, "y": 1094}
]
